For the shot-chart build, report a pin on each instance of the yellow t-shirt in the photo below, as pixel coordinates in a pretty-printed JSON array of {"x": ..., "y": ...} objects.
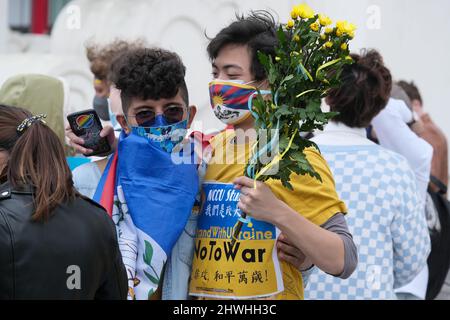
[{"x": 316, "y": 201}]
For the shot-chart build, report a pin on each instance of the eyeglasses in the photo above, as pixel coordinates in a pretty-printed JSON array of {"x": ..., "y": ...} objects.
[{"x": 172, "y": 114}]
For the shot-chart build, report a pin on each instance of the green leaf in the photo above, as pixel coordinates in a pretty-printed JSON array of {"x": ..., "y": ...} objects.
[
  {"x": 288, "y": 78},
  {"x": 299, "y": 157},
  {"x": 148, "y": 255},
  {"x": 313, "y": 144},
  {"x": 331, "y": 115},
  {"x": 283, "y": 111},
  {"x": 313, "y": 106},
  {"x": 286, "y": 184},
  {"x": 281, "y": 36},
  {"x": 273, "y": 75},
  {"x": 316, "y": 176},
  {"x": 151, "y": 278},
  {"x": 302, "y": 113},
  {"x": 294, "y": 146},
  {"x": 264, "y": 59},
  {"x": 284, "y": 142}
]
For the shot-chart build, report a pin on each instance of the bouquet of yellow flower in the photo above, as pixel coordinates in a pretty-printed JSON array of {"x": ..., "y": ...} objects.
[{"x": 309, "y": 59}]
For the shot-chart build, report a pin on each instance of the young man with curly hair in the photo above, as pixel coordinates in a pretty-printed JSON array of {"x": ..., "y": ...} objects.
[{"x": 149, "y": 197}]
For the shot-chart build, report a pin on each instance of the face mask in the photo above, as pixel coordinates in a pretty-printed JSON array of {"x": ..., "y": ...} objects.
[
  {"x": 113, "y": 118},
  {"x": 231, "y": 100},
  {"x": 165, "y": 136},
  {"x": 101, "y": 106}
]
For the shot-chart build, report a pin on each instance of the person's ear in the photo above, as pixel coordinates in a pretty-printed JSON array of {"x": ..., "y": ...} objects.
[
  {"x": 192, "y": 113},
  {"x": 123, "y": 123}
]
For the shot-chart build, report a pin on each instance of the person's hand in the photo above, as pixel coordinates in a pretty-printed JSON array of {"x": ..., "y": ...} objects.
[
  {"x": 77, "y": 143},
  {"x": 418, "y": 127},
  {"x": 259, "y": 203},
  {"x": 291, "y": 254},
  {"x": 417, "y": 107}
]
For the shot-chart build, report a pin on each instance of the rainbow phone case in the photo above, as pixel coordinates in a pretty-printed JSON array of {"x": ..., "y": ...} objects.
[{"x": 86, "y": 124}]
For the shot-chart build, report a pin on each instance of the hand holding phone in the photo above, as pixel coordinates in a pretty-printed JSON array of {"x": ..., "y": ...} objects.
[{"x": 86, "y": 125}]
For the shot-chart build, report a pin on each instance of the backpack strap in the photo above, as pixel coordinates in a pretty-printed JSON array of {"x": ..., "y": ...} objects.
[{"x": 439, "y": 184}]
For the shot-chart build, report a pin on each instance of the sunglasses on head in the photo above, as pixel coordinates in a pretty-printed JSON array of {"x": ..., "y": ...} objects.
[{"x": 172, "y": 114}]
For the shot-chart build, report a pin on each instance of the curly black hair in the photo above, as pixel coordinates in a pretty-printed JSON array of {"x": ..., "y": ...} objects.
[{"x": 148, "y": 73}]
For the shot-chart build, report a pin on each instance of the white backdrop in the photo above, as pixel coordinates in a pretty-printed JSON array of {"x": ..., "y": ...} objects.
[{"x": 412, "y": 35}]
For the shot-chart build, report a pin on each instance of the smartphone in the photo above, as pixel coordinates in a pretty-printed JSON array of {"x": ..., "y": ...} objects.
[{"x": 86, "y": 124}]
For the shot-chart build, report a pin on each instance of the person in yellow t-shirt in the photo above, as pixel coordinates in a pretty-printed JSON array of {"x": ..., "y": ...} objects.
[{"x": 307, "y": 224}]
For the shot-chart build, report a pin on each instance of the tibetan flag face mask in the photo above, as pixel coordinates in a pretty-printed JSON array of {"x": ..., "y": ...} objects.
[{"x": 231, "y": 100}]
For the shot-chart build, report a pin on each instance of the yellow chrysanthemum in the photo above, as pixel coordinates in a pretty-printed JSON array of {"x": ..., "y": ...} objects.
[
  {"x": 303, "y": 11},
  {"x": 345, "y": 27},
  {"x": 329, "y": 30},
  {"x": 290, "y": 24},
  {"x": 324, "y": 20},
  {"x": 323, "y": 36},
  {"x": 297, "y": 38},
  {"x": 352, "y": 27},
  {"x": 344, "y": 46},
  {"x": 328, "y": 44},
  {"x": 294, "y": 14},
  {"x": 315, "y": 26}
]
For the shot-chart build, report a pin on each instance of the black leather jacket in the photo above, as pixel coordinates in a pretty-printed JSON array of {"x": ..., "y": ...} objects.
[{"x": 73, "y": 255}]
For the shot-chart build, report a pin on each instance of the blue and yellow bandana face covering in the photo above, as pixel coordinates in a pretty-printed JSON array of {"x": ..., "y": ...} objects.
[{"x": 166, "y": 136}]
